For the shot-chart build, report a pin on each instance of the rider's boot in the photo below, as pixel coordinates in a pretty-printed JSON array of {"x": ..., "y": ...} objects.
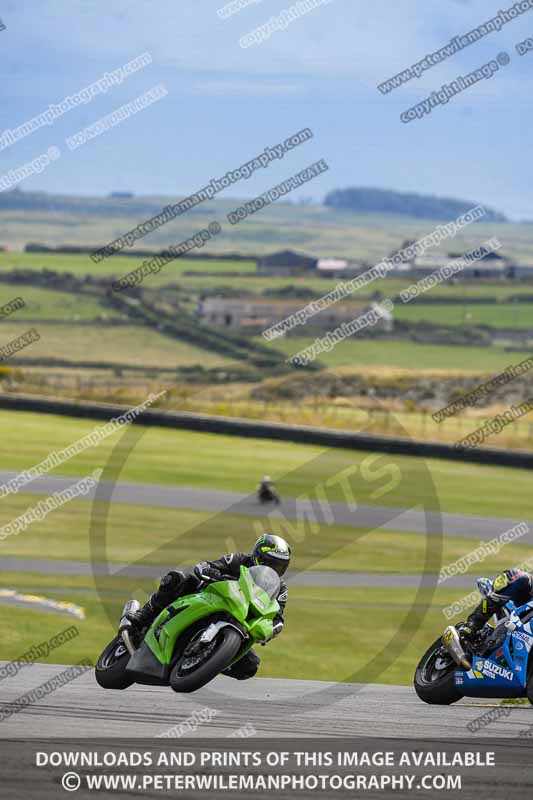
[{"x": 145, "y": 616}]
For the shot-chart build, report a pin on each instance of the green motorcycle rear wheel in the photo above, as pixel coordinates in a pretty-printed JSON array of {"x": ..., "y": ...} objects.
[{"x": 110, "y": 670}]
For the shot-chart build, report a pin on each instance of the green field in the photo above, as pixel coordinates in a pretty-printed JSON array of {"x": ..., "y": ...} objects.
[
  {"x": 348, "y": 649},
  {"x": 381, "y": 352},
  {"x": 89, "y": 338},
  {"x": 183, "y": 458},
  {"x": 50, "y": 305},
  {"x": 462, "y": 291},
  {"x": 159, "y": 536},
  {"x": 56, "y": 306},
  {"x": 112, "y": 344},
  {"x": 509, "y": 315},
  {"x": 81, "y": 265}
]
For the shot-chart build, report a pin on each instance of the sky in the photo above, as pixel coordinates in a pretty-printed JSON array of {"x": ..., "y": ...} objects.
[{"x": 227, "y": 103}]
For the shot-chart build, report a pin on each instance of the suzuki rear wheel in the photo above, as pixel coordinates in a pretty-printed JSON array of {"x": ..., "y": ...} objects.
[
  {"x": 197, "y": 664},
  {"x": 110, "y": 670},
  {"x": 434, "y": 682}
]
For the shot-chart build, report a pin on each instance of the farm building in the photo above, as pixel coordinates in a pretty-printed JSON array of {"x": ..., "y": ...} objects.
[
  {"x": 258, "y": 314},
  {"x": 492, "y": 266},
  {"x": 286, "y": 262},
  {"x": 338, "y": 268}
]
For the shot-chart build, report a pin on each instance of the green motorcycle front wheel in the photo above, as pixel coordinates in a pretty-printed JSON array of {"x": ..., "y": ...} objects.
[{"x": 197, "y": 664}]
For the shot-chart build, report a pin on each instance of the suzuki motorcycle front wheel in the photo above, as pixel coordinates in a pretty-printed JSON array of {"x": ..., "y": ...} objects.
[{"x": 434, "y": 677}]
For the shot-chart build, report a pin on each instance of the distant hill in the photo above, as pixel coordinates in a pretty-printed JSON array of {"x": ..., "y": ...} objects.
[
  {"x": 89, "y": 222},
  {"x": 117, "y": 204},
  {"x": 358, "y": 200},
  {"x": 420, "y": 206}
]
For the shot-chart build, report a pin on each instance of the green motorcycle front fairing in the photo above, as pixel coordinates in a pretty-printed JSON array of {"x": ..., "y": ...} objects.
[{"x": 243, "y": 601}]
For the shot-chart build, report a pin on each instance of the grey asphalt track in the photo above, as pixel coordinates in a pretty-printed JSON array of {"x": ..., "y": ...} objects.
[
  {"x": 341, "y": 579},
  {"x": 281, "y": 708},
  {"x": 363, "y": 517}
]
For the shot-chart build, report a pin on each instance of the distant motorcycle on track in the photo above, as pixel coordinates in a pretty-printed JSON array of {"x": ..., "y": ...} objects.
[{"x": 267, "y": 492}]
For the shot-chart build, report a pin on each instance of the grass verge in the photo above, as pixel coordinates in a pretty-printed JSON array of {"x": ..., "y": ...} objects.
[
  {"x": 211, "y": 461},
  {"x": 166, "y": 536},
  {"x": 331, "y": 634}
]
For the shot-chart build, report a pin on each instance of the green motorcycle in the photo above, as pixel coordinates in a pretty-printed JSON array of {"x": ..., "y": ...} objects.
[{"x": 195, "y": 638}]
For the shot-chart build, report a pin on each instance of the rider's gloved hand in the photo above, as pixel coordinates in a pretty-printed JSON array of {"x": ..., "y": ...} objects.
[
  {"x": 466, "y": 632},
  {"x": 205, "y": 571}
]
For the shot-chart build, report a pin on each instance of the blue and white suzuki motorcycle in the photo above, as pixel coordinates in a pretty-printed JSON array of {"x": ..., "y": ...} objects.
[{"x": 496, "y": 664}]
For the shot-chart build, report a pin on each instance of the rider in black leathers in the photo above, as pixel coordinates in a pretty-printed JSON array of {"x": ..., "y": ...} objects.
[
  {"x": 266, "y": 490},
  {"x": 272, "y": 551}
]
